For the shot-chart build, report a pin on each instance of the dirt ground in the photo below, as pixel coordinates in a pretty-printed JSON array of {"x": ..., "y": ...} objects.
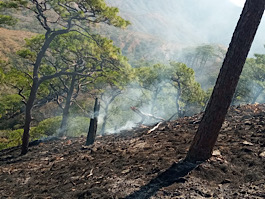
[{"x": 138, "y": 164}]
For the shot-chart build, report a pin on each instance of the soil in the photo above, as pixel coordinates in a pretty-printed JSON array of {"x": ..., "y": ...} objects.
[{"x": 143, "y": 164}]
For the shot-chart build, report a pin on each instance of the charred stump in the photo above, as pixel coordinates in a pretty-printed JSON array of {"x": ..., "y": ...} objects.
[{"x": 91, "y": 135}]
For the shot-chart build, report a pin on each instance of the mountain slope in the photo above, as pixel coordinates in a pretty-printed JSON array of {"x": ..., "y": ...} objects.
[
  {"x": 137, "y": 164},
  {"x": 11, "y": 41}
]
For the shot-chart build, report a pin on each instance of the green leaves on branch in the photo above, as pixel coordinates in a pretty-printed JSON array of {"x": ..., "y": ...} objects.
[
  {"x": 251, "y": 85},
  {"x": 75, "y": 13}
]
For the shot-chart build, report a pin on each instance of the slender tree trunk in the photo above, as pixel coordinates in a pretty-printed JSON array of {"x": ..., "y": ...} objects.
[
  {"x": 177, "y": 100},
  {"x": 70, "y": 92},
  {"x": 105, "y": 118},
  {"x": 257, "y": 95},
  {"x": 154, "y": 99},
  {"x": 91, "y": 135},
  {"x": 30, "y": 102},
  {"x": 33, "y": 93},
  {"x": 106, "y": 109},
  {"x": 206, "y": 136}
]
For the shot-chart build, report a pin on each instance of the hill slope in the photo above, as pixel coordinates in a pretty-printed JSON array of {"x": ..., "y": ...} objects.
[
  {"x": 116, "y": 166},
  {"x": 11, "y": 41}
]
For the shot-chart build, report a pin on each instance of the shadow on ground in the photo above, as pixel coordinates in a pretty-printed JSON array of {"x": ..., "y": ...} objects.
[{"x": 172, "y": 175}]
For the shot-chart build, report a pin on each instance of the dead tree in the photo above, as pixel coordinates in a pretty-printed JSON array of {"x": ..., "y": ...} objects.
[
  {"x": 214, "y": 116},
  {"x": 91, "y": 135},
  {"x": 145, "y": 116}
]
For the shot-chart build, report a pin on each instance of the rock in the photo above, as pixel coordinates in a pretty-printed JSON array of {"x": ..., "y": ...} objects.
[
  {"x": 216, "y": 153},
  {"x": 247, "y": 143},
  {"x": 262, "y": 155}
]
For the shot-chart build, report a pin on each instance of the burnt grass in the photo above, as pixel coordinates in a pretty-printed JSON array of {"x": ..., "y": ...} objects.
[{"x": 138, "y": 164}]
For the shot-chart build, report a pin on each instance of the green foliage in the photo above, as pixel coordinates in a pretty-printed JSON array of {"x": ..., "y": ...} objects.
[
  {"x": 46, "y": 127},
  {"x": 159, "y": 77},
  {"x": 76, "y": 126},
  {"x": 10, "y": 104},
  {"x": 206, "y": 61},
  {"x": 191, "y": 91},
  {"x": 6, "y": 19},
  {"x": 251, "y": 85},
  {"x": 10, "y": 138}
]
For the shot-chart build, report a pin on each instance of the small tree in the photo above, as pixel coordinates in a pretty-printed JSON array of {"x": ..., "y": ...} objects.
[
  {"x": 188, "y": 91},
  {"x": 153, "y": 78},
  {"x": 111, "y": 86}
]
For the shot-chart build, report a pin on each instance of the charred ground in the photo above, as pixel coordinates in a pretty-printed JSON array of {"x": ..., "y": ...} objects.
[{"x": 133, "y": 163}]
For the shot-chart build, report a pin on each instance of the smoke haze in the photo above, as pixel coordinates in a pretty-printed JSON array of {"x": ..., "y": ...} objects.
[{"x": 186, "y": 22}]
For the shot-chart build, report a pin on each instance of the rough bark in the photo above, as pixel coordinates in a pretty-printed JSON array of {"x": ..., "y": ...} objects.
[
  {"x": 91, "y": 135},
  {"x": 66, "y": 108},
  {"x": 29, "y": 105},
  {"x": 207, "y": 133}
]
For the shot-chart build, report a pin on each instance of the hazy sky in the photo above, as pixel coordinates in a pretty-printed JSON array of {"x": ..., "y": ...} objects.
[{"x": 239, "y": 3}]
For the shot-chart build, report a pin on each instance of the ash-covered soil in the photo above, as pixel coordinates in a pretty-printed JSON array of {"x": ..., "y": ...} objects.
[{"x": 138, "y": 164}]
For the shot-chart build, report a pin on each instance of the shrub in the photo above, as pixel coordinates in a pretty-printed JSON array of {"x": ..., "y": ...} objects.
[{"x": 46, "y": 127}]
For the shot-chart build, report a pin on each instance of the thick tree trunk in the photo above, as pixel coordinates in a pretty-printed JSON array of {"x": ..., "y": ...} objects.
[
  {"x": 206, "y": 136},
  {"x": 91, "y": 135},
  {"x": 66, "y": 109}
]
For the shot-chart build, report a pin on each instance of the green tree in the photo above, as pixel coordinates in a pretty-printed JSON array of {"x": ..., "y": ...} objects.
[
  {"x": 57, "y": 18},
  {"x": 159, "y": 78},
  {"x": 252, "y": 81},
  {"x": 153, "y": 78},
  {"x": 188, "y": 91},
  {"x": 111, "y": 86}
]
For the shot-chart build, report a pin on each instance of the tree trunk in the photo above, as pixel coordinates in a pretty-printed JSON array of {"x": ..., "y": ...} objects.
[
  {"x": 257, "y": 95},
  {"x": 177, "y": 99},
  {"x": 154, "y": 99},
  {"x": 33, "y": 93},
  {"x": 30, "y": 102},
  {"x": 70, "y": 92},
  {"x": 91, "y": 135},
  {"x": 207, "y": 133},
  {"x": 105, "y": 118}
]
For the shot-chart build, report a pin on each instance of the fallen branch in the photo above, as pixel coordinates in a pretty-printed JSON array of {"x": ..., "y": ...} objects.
[
  {"x": 145, "y": 115},
  {"x": 154, "y": 128}
]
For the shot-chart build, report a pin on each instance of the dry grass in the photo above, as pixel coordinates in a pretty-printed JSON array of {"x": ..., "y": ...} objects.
[{"x": 11, "y": 41}]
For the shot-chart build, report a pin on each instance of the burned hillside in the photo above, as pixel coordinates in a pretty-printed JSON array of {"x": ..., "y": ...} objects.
[{"x": 125, "y": 165}]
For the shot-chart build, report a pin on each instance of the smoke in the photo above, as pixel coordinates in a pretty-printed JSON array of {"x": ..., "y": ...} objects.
[{"x": 185, "y": 23}]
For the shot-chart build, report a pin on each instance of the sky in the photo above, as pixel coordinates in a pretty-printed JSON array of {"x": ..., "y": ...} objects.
[{"x": 239, "y": 3}]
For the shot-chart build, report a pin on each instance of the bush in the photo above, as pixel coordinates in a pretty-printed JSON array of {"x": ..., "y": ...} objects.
[
  {"x": 46, "y": 127},
  {"x": 11, "y": 138},
  {"x": 76, "y": 126}
]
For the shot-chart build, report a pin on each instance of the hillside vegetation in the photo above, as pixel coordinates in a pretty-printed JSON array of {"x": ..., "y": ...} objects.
[{"x": 11, "y": 41}]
